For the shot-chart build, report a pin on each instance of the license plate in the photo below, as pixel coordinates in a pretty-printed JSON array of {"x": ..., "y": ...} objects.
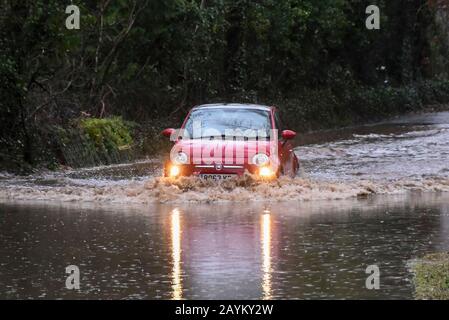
[{"x": 216, "y": 177}]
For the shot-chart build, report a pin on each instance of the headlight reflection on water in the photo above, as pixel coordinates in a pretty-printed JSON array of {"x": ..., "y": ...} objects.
[
  {"x": 176, "y": 250},
  {"x": 176, "y": 254},
  {"x": 266, "y": 254}
]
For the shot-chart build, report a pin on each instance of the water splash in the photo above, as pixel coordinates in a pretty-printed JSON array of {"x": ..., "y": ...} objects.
[{"x": 245, "y": 189}]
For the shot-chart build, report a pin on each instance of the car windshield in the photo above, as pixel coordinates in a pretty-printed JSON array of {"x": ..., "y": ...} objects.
[{"x": 228, "y": 123}]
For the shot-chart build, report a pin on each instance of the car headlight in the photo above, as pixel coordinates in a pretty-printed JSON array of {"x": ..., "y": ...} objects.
[
  {"x": 266, "y": 172},
  {"x": 260, "y": 159},
  {"x": 181, "y": 158},
  {"x": 174, "y": 171}
]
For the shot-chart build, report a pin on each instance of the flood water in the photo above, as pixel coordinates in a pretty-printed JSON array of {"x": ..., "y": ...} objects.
[
  {"x": 293, "y": 251},
  {"x": 306, "y": 238}
]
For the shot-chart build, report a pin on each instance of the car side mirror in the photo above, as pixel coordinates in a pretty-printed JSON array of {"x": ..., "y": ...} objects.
[
  {"x": 168, "y": 132},
  {"x": 288, "y": 134}
]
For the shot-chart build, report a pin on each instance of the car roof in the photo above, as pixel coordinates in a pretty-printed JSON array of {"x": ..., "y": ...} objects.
[{"x": 233, "y": 105}]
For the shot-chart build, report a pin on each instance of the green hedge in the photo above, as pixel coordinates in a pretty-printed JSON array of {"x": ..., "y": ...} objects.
[
  {"x": 108, "y": 134},
  {"x": 95, "y": 141}
]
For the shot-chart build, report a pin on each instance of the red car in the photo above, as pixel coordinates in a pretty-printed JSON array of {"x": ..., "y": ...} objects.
[{"x": 219, "y": 141}]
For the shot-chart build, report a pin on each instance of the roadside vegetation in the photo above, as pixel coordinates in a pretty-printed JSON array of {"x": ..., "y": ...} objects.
[
  {"x": 102, "y": 94},
  {"x": 432, "y": 277},
  {"x": 93, "y": 141}
]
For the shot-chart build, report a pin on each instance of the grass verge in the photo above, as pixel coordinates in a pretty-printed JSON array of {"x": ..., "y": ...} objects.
[{"x": 432, "y": 277}]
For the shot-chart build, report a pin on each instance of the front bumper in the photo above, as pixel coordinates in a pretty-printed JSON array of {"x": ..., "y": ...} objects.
[{"x": 172, "y": 170}]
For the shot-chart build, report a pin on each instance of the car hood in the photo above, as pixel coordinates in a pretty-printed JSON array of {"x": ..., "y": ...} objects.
[{"x": 223, "y": 151}]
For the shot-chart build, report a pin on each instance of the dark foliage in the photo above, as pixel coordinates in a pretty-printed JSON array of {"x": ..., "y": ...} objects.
[{"x": 149, "y": 61}]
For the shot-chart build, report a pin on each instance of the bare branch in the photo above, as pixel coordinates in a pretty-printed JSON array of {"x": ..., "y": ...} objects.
[{"x": 50, "y": 99}]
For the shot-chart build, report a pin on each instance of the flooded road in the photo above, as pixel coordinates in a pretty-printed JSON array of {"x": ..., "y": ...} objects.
[
  {"x": 370, "y": 195},
  {"x": 410, "y": 147},
  {"x": 287, "y": 251}
]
